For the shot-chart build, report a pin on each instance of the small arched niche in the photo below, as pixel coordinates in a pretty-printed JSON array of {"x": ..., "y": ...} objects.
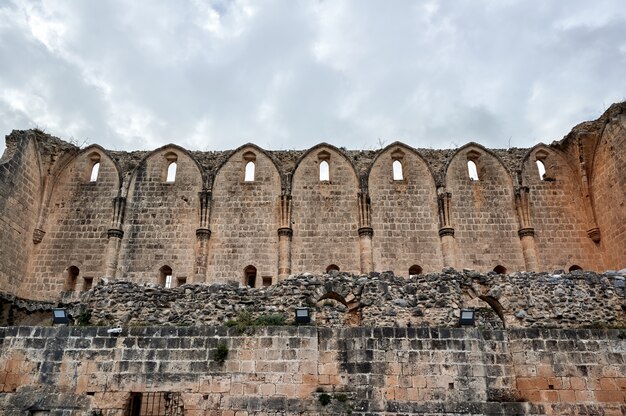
[
  {"x": 172, "y": 166},
  {"x": 574, "y": 267},
  {"x": 165, "y": 276},
  {"x": 414, "y": 270},
  {"x": 71, "y": 278},
  {"x": 332, "y": 267},
  {"x": 249, "y": 276}
]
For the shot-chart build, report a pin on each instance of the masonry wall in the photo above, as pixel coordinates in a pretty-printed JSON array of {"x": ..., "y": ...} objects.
[
  {"x": 20, "y": 201},
  {"x": 483, "y": 212},
  {"x": 325, "y": 214},
  {"x": 560, "y": 224},
  {"x": 161, "y": 218},
  {"x": 245, "y": 219},
  {"x": 608, "y": 183},
  {"x": 404, "y": 213},
  {"x": 286, "y": 370},
  {"x": 76, "y": 222}
]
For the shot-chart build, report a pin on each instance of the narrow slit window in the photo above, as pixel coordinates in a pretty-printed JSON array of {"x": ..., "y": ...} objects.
[
  {"x": 249, "y": 172},
  {"x": 94, "y": 172},
  {"x": 397, "y": 171},
  {"x": 171, "y": 172},
  {"x": 324, "y": 171},
  {"x": 542, "y": 169},
  {"x": 472, "y": 170}
]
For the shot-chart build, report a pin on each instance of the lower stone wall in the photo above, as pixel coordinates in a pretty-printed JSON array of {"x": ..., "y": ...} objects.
[{"x": 295, "y": 370}]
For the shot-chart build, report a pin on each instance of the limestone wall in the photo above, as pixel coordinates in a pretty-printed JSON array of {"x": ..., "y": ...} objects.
[
  {"x": 20, "y": 201},
  {"x": 211, "y": 225},
  {"x": 294, "y": 370}
]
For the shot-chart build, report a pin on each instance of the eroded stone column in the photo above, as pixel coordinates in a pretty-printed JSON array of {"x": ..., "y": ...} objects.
[
  {"x": 203, "y": 234},
  {"x": 446, "y": 232},
  {"x": 526, "y": 232},
  {"x": 115, "y": 235},
  {"x": 527, "y": 238},
  {"x": 365, "y": 246},
  {"x": 284, "y": 252}
]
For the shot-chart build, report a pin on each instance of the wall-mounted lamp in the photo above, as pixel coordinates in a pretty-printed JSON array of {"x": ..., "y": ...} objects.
[
  {"x": 59, "y": 316},
  {"x": 303, "y": 316},
  {"x": 468, "y": 317}
]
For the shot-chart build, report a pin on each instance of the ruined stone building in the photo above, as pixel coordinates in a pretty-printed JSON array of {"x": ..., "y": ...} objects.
[{"x": 69, "y": 216}]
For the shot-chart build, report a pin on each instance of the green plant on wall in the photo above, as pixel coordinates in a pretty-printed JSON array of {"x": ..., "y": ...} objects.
[{"x": 221, "y": 353}]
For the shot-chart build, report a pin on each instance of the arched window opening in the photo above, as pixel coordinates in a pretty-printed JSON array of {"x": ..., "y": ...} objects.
[
  {"x": 397, "y": 171},
  {"x": 72, "y": 273},
  {"x": 332, "y": 267},
  {"x": 574, "y": 268},
  {"x": 472, "y": 170},
  {"x": 542, "y": 169},
  {"x": 165, "y": 277},
  {"x": 267, "y": 281},
  {"x": 324, "y": 171},
  {"x": 249, "y": 274},
  {"x": 500, "y": 269},
  {"x": 94, "y": 172},
  {"x": 249, "y": 177},
  {"x": 415, "y": 270},
  {"x": 171, "y": 172}
]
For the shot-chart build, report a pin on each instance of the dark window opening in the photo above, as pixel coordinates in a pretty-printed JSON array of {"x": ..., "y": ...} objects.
[
  {"x": 72, "y": 273},
  {"x": 267, "y": 281},
  {"x": 165, "y": 276},
  {"x": 155, "y": 404},
  {"x": 575, "y": 267},
  {"x": 181, "y": 281},
  {"x": 415, "y": 270},
  {"x": 500, "y": 269},
  {"x": 332, "y": 267},
  {"x": 250, "y": 276},
  {"x": 87, "y": 283}
]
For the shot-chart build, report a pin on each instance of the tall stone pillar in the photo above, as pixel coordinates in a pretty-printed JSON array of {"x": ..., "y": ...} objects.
[
  {"x": 284, "y": 237},
  {"x": 526, "y": 232},
  {"x": 593, "y": 232},
  {"x": 203, "y": 234},
  {"x": 115, "y": 235},
  {"x": 366, "y": 232},
  {"x": 446, "y": 232}
]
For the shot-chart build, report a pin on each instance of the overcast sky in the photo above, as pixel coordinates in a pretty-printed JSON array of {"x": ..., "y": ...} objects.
[{"x": 212, "y": 75}]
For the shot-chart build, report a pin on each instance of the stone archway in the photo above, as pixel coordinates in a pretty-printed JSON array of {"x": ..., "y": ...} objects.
[{"x": 336, "y": 305}]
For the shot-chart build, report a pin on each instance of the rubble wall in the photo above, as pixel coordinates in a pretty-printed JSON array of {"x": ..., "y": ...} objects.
[{"x": 311, "y": 371}]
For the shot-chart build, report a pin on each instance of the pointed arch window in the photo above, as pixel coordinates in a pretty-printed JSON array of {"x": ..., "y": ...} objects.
[
  {"x": 94, "y": 172},
  {"x": 472, "y": 170},
  {"x": 172, "y": 165},
  {"x": 324, "y": 171},
  {"x": 397, "y": 170},
  {"x": 542, "y": 169},
  {"x": 249, "y": 176},
  {"x": 171, "y": 172}
]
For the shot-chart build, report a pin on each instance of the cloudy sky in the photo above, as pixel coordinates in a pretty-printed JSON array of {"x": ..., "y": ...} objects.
[{"x": 211, "y": 75}]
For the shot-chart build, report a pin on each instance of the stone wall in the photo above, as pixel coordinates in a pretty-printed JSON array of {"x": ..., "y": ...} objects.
[
  {"x": 20, "y": 199},
  {"x": 294, "y": 370},
  {"x": 210, "y": 225}
]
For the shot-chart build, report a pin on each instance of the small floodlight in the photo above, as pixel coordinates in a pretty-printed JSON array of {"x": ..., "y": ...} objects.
[
  {"x": 59, "y": 316},
  {"x": 468, "y": 317},
  {"x": 303, "y": 316}
]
